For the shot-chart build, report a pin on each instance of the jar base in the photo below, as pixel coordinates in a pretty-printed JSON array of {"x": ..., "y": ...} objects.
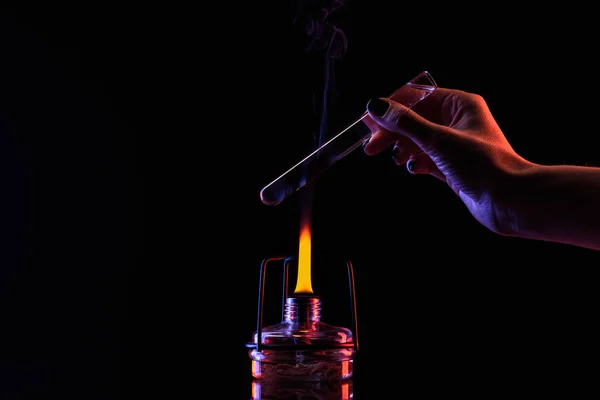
[{"x": 303, "y": 372}]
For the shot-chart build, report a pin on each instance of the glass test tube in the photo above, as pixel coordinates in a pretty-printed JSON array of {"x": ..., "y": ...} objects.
[{"x": 340, "y": 145}]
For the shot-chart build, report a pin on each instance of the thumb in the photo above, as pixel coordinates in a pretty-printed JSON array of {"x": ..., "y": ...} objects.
[{"x": 398, "y": 118}]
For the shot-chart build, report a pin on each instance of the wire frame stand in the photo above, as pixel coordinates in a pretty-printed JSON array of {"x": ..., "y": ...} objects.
[{"x": 259, "y": 345}]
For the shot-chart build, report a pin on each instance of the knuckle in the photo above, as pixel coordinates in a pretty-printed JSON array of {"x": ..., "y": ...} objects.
[
  {"x": 476, "y": 99},
  {"x": 395, "y": 115}
]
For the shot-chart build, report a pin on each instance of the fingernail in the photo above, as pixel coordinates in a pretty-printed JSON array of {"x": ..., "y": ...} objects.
[
  {"x": 377, "y": 107},
  {"x": 410, "y": 165},
  {"x": 395, "y": 151}
]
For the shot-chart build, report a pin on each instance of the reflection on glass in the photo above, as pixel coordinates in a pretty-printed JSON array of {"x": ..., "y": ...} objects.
[{"x": 325, "y": 390}]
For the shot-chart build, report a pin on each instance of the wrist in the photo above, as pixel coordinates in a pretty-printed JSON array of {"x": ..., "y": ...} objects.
[
  {"x": 514, "y": 198},
  {"x": 554, "y": 203}
]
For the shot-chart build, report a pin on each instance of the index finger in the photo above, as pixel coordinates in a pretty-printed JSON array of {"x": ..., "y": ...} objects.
[
  {"x": 382, "y": 138},
  {"x": 436, "y": 106}
]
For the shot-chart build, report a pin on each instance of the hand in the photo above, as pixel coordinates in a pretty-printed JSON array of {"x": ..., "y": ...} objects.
[{"x": 453, "y": 136}]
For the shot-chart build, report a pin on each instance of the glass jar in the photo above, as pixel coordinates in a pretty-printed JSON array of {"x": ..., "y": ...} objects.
[{"x": 302, "y": 347}]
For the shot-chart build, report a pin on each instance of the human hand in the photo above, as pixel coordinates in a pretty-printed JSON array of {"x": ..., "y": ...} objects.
[{"x": 452, "y": 135}]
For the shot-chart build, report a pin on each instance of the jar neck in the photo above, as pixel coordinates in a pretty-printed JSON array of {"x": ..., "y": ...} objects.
[{"x": 302, "y": 309}]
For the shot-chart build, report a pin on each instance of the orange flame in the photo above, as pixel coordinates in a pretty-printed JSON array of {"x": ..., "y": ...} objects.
[{"x": 303, "y": 283}]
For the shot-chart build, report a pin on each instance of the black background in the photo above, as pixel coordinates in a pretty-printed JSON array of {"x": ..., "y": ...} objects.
[{"x": 134, "y": 143}]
